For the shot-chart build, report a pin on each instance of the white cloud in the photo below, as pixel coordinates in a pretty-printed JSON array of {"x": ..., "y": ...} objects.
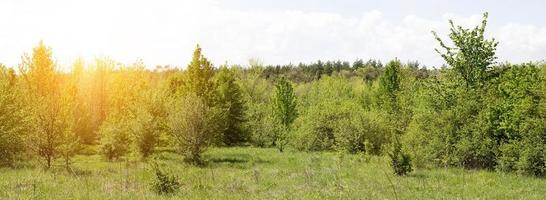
[{"x": 165, "y": 32}]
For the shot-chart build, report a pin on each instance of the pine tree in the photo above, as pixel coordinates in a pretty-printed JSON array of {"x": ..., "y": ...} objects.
[
  {"x": 230, "y": 101},
  {"x": 199, "y": 78}
]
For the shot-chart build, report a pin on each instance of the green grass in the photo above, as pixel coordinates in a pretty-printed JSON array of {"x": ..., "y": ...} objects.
[{"x": 253, "y": 173}]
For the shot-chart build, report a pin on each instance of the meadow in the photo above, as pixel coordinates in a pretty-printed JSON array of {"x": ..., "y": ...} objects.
[
  {"x": 472, "y": 129},
  {"x": 256, "y": 173}
]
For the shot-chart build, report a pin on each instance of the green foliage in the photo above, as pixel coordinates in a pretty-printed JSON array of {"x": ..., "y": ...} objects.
[
  {"x": 50, "y": 107},
  {"x": 164, "y": 183},
  {"x": 400, "y": 161},
  {"x": 149, "y": 121},
  {"x": 284, "y": 111},
  {"x": 12, "y": 119},
  {"x": 472, "y": 55},
  {"x": 476, "y": 115},
  {"x": 230, "y": 101},
  {"x": 198, "y": 78},
  {"x": 343, "y": 126},
  {"x": 115, "y": 140},
  {"x": 389, "y": 87},
  {"x": 189, "y": 122}
]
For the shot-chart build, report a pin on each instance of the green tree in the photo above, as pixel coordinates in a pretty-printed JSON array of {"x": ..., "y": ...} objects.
[
  {"x": 12, "y": 119},
  {"x": 472, "y": 55},
  {"x": 150, "y": 120},
  {"x": 49, "y": 107},
  {"x": 284, "y": 111},
  {"x": 115, "y": 136},
  {"x": 390, "y": 86},
  {"x": 230, "y": 101},
  {"x": 198, "y": 79}
]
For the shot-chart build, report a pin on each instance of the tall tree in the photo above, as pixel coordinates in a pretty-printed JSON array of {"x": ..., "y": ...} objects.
[
  {"x": 50, "y": 109},
  {"x": 284, "y": 111},
  {"x": 230, "y": 101}
]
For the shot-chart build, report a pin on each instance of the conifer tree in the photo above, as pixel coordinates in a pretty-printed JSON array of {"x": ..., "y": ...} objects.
[
  {"x": 230, "y": 101},
  {"x": 199, "y": 78}
]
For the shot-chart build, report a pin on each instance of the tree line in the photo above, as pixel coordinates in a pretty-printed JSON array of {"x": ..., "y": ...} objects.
[{"x": 472, "y": 113}]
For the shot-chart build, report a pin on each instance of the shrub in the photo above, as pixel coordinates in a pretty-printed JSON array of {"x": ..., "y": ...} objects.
[
  {"x": 400, "y": 161},
  {"x": 343, "y": 126},
  {"x": 115, "y": 137},
  {"x": 260, "y": 124},
  {"x": 190, "y": 124},
  {"x": 164, "y": 183},
  {"x": 362, "y": 132}
]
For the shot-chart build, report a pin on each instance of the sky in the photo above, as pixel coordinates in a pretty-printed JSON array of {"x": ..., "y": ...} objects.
[{"x": 165, "y": 32}]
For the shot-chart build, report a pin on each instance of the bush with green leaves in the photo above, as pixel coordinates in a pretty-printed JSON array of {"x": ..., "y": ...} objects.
[
  {"x": 115, "y": 136},
  {"x": 164, "y": 183},
  {"x": 149, "y": 121},
  {"x": 362, "y": 132},
  {"x": 400, "y": 161},
  {"x": 343, "y": 126},
  {"x": 191, "y": 125}
]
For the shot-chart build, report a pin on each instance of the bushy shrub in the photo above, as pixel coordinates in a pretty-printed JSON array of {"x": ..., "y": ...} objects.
[
  {"x": 343, "y": 126},
  {"x": 400, "y": 161},
  {"x": 260, "y": 124},
  {"x": 164, "y": 183},
  {"x": 527, "y": 156},
  {"x": 362, "y": 132},
  {"x": 115, "y": 137},
  {"x": 190, "y": 123},
  {"x": 314, "y": 130}
]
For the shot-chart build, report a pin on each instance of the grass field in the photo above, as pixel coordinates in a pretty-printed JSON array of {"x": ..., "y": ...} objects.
[{"x": 253, "y": 173}]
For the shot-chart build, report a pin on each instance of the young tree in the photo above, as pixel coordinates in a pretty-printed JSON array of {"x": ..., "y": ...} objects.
[
  {"x": 390, "y": 86},
  {"x": 12, "y": 119},
  {"x": 149, "y": 120},
  {"x": 389, "y": 90},
  {"x": 83, "y": 122},
  {"x": 198, "y": 78},
  {"x": 230, "y": 101},
  {"x": 284, "y": 111},
  {"x": 50, "y": 111},
  {"x": 189, "y": 122},
  {"x": 472, "y": 55},
  {"x": 101, "y": 76}
]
